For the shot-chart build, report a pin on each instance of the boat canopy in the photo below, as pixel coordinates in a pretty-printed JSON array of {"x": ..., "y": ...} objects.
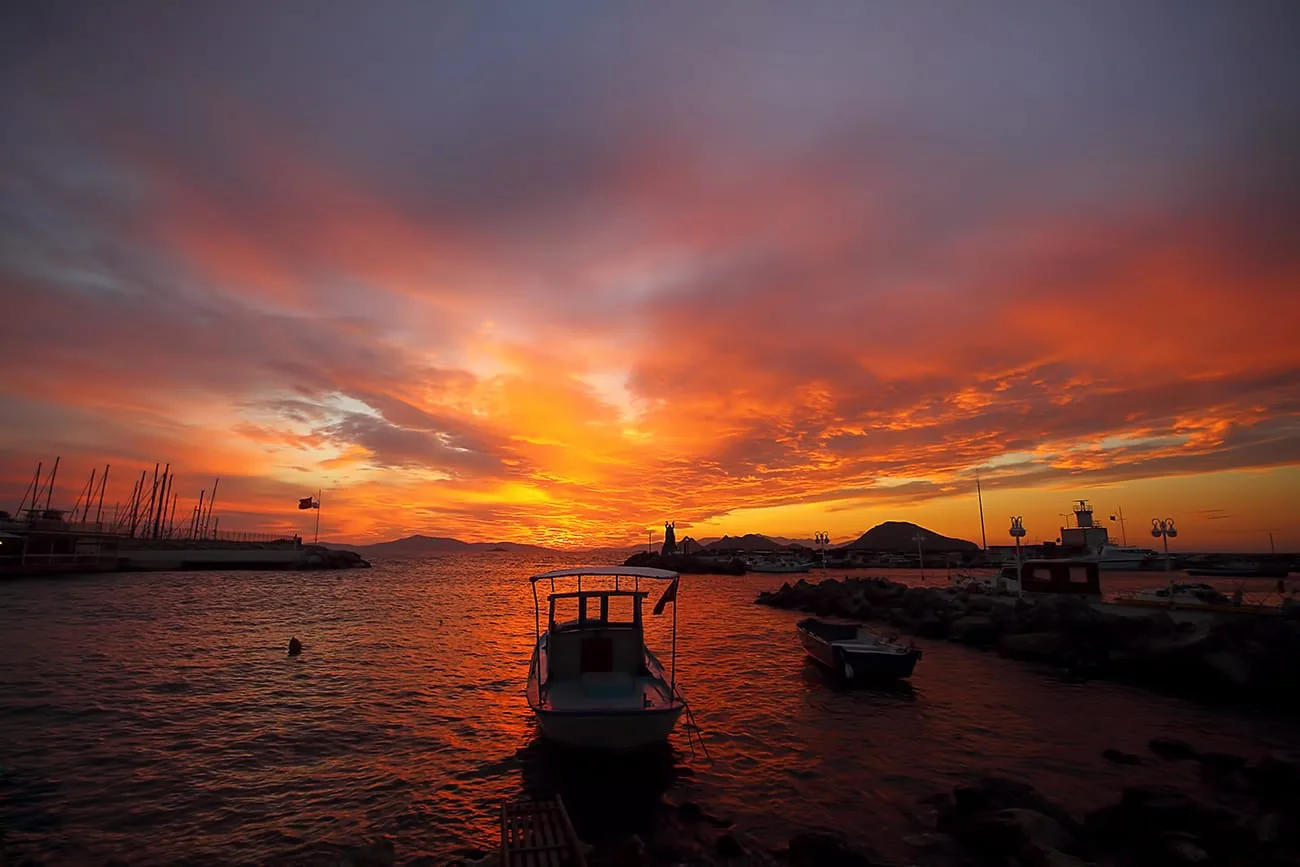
[
  {"x": 610, "y": 571},
  {"x": 592, "y": 594}
]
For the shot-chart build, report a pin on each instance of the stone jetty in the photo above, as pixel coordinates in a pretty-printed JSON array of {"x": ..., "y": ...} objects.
[{"x": 1243, "y": 656}]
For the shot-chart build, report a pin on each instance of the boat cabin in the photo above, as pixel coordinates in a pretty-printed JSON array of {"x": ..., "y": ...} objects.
[
  {"x": 604, "y": 635},
  {"x": 1061, "y": 578}
]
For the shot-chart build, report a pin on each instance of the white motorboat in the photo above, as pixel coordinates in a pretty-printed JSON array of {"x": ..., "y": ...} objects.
[
  {"x": 1180, "y": 594},
  {"x": 1120, "y": 558},
  {"x": 779, "y": 566},
  {"x": 593, "y": 682},
  {"x": 1006, "y": 582}
]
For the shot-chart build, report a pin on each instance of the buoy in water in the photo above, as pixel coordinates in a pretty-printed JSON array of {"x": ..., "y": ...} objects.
[{"x": 295, "y": 647}]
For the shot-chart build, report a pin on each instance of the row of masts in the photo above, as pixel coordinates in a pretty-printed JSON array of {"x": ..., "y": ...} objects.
[{"x": 149, "y": 513}]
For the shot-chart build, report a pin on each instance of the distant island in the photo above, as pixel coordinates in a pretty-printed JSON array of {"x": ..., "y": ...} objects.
[
  {"x": 896, "y": 537},
  {"x": 419, "y": 545}
]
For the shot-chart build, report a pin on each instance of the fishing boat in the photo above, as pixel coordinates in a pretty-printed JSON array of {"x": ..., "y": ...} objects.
[
  {"x": 851, "y": 651},
  {"x": 593, "y": 683}
]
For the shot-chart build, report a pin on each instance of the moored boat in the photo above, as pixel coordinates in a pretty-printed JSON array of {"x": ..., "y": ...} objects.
[
  {"x": 593, "y": 683},
  {"x": 779, "y": 567},
  {"x": 1005, "y": 583},
  {"x": 854, "y": 653}
]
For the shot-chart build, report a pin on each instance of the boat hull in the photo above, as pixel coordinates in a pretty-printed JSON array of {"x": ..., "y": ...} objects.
[
  {"x": 850, "y": 664},
  {"x": 1121, "y": 564},
  {"x": 608, "y": 731}
]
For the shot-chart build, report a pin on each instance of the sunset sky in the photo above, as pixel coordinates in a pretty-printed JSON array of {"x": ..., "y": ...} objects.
[{"x": 558, "y": 272}]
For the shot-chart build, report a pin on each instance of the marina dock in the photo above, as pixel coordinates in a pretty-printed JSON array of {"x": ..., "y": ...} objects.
[{"x": 144, "y": 534}]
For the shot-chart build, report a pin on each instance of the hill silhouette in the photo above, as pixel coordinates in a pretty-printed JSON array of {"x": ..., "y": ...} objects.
[
  {"x": 747, "y": 542},
  {"x": 900, "y": 537},
  {"x": 417, "y": 545}
]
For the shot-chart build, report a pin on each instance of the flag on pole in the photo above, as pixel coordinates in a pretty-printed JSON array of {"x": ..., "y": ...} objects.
[
  {"x": 670, "y": 595},
  {"x": 309, "y": 503}
]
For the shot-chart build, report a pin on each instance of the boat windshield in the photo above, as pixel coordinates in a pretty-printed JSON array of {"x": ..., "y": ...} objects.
[{"x": 594, "y": 609}]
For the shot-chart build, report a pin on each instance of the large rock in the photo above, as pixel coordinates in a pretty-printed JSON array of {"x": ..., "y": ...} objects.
[
  {"x": 994, "y": 794},
  {"x": 1035, "y": 646},
  {"x": 1223, "y": 771},
  {"x": 626, "y": 852},
  {"x": 1009, "y": 832},
  {"x": 1036, "y": 856},
  {"x": 1179, "y": 850},
  {"x": 974, "y": 629},
  {"x": 822, "y": 849},
  {"x": 1121, "y": 758},
  {"x": 1275, "y": 779},
  {"x": 1159, "y": 806},
  {"x": 1171, "y": 748},
  {"x": 1148, "y": 817}
]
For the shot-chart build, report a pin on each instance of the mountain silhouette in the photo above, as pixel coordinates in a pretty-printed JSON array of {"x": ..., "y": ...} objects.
[{"x": 900, "y": 537}]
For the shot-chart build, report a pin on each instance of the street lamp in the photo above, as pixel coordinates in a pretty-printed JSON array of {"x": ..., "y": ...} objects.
[
  {"x": 1164, "y": 529},
  {"x": 920, "y": 555},
  {"x": 823, "y": 539},
  {"x": 1017, "y": 533}
]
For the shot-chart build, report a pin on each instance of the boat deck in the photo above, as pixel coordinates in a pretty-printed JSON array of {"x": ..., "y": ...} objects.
[
  {"x": 607, "y": 691},
  {"x": 538, "y": 833}
]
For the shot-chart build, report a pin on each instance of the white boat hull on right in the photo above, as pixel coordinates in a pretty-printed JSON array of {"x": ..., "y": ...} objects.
[
  {"x": 1119, "y": 564},
  {"x": 609, "y": 731}
]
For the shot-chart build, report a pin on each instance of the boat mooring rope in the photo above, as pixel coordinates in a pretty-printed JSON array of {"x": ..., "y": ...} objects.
[{"x": 693, "y": 726}]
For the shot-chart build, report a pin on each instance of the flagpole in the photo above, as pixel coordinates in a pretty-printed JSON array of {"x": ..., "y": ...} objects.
[
  {"x": 316, "y": 540},
  {"x": 674, "y": 675}
]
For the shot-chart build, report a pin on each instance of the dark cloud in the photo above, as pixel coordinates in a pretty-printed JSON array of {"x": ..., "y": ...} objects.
[
  {"x": 393, "y": 446},
  {"x": 821, "y": 248}
]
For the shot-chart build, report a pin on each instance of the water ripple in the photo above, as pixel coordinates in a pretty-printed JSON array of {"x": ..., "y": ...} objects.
[{"x": 156, "y": 719}]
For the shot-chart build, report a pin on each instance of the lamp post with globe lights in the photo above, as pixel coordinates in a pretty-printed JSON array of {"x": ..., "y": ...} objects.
[
  {"x": 823, "y": 539},
  {"x": 1164, "y": 529},
  {"x": 1017, "y": 533}
]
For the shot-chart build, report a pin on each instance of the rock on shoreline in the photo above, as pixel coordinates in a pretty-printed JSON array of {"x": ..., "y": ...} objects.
[
  {"x": 1243, "y": 814},
  {"x": 1256, "y": 657}
]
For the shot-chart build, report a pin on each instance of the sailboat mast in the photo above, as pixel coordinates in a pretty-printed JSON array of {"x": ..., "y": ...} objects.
[{"x": 984, "y": 541}]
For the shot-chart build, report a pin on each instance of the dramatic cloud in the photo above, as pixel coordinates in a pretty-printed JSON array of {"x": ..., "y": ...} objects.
[{"x": 496, "y": 271}]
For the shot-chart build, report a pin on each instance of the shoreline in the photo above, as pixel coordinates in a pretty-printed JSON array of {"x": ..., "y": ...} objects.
[{"x": 1237, "y": 658}]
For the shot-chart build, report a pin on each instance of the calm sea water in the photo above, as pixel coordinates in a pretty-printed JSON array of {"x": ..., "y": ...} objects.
[{"x": 156, "y": 719}]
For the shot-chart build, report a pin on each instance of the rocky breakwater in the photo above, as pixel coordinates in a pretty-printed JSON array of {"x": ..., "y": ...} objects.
[
  {"x": 1242, "y": 813},
  {"x": 317, "y": 557},
  {"x": 1246, "y": 656}
]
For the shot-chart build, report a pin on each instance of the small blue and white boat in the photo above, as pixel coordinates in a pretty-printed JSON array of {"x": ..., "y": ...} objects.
[
  {"x": 593, "y": 683},
  {"x": 855, "y": 653}
]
